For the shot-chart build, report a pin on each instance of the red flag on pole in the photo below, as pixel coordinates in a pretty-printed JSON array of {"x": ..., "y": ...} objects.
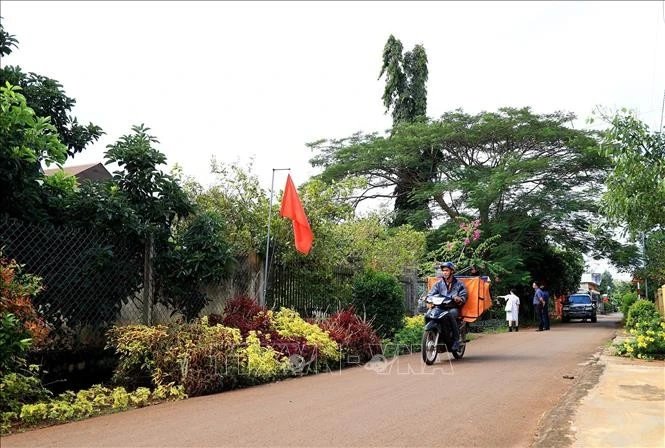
[{"x": 292, "y": 208}]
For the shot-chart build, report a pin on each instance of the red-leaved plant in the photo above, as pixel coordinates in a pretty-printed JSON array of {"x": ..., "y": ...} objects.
[
  {"x": 16, "y": 292},
  {"x": 356, "y": 337}
]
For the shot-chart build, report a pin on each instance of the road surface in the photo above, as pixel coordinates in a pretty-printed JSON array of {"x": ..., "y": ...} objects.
[{"x": 496, "y": 396}]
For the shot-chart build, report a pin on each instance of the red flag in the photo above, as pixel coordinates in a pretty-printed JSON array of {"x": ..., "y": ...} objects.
[{"x": 292, "y": 208}]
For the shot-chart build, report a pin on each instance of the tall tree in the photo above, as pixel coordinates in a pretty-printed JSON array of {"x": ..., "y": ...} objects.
[
  {"x": 484, "y": 165},
  {"x": 636, "y": 186},
  {"x": 405, "y": 95}
]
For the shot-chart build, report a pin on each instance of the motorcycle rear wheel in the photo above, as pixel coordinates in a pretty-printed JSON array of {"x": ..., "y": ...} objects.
[
  {"x": 457, "y": 354},
  {"x": 429, "y": 346}
]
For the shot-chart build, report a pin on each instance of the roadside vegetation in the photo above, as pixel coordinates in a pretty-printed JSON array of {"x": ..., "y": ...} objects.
[{"x": 508, "y": 194}]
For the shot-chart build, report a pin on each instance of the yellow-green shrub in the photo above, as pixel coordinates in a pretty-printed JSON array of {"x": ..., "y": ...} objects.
[
  {"x": 96, "y": 400},
  {"x": 289, "y": 323},
  {"x": 263, "y": 363}
]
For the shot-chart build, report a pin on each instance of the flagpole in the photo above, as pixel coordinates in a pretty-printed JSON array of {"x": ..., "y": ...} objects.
[{"x": 265, "y": 274}]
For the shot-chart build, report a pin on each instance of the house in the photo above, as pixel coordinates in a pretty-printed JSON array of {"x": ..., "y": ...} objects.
[
  {"x": 94, "y": 172},
  {"x": 590, "y": 282}
]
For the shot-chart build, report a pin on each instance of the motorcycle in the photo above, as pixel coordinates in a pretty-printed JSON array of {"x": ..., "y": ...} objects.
[{"x": 438, "y": 335}]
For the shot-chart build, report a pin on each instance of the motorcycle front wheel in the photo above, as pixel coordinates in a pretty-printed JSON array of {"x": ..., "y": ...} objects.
[{"x": 429, "y": 346}]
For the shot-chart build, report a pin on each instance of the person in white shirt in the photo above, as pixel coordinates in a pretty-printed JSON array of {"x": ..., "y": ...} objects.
[{"x": 512, "y": 310}]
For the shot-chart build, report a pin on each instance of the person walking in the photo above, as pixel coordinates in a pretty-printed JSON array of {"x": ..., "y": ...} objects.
[{"x": 512, "y": 310}]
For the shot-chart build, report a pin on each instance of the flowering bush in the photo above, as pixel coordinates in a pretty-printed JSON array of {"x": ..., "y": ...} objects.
[
  {"x": 648, "y": 330},
  {"x": 467, "y": 252},
  {"x": 355, "y": 337}
]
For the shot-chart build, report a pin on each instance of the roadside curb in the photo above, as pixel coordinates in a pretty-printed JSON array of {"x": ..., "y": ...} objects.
[
  {"x": 611, "y": 392},
  {"x": 555, "y": 426}
]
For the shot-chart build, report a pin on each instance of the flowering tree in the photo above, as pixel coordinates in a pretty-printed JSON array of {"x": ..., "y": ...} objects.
[{"x": 468, "y": 252}]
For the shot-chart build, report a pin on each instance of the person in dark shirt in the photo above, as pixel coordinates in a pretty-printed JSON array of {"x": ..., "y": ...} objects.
[
  {"x": 452, "y": 287},
  {"x": 538, "y": 302},
  {"x": 545, "y": 318}
]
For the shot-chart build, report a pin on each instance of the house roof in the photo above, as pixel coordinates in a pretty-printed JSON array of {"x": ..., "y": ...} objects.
[{"x": 92, "y": 171}]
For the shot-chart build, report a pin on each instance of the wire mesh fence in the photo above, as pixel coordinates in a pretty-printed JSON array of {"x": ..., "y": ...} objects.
[
  {"x": 93, "y": 279},
  {"x": 317, "y": 294},
  {"x": 87, "y": 276}
]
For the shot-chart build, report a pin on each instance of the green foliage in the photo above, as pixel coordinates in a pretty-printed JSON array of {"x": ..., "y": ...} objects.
[
  {"x": 206, "y": 358},
  {"x": 20, "y": 325},
  {"x": 378, "y": 297},
  {"x": 636, "y": 187},
  {"x": 199, "y": 256},
  {"x": 408, "y": 338},
  {"x": 7, "y": 41},
  {"x": 156, "y": 197},
  {"x": 642, "y": 311},
  {"x": 263, "y": 363},
  {"x": 647, "y": 328},
  {"x": 606, "y": 283},
  {"x": 94, "y": 401},
  {"x": 406, "y": 94},
  {"x": 19, "y": 388},
  {"x": 26, "y": 140},
  {"x": 627, "y": 300},
  {"x": 238, "y": 199},
  {"x": 368, "y": 244},
  {"x": 288, "y": 323},
  {"x": 467, "y": 252},
  {"x": 621, "y": 288},
  {"x": 489, "y": 165},
  {"x": 203, "y": 359},
  {"x": 15, "y": 342},
  {"x": 652, "y": 266}
]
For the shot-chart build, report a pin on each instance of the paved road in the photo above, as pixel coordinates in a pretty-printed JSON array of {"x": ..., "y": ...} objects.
[{"x": 495, "y": 397}]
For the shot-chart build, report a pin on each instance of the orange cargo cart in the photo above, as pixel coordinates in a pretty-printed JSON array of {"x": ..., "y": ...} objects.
[{"x": 478, "y": 300}]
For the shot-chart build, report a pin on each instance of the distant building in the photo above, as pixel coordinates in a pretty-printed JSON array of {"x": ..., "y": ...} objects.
[
  {"x": 94, "y": 172},
  {"x": 590, "y": 282}
]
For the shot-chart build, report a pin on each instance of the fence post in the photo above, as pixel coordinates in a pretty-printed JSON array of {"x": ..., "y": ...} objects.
[{"x": 147, "y": 281}]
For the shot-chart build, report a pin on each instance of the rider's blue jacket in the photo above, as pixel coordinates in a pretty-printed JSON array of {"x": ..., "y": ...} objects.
[{"x": 457, "y": 288}]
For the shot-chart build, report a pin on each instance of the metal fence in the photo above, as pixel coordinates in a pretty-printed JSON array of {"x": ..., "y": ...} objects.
[
  {"x": 316, "y": 294},
  {"x": 87, "y": 276},
  {"x": 92, "y": 279}
]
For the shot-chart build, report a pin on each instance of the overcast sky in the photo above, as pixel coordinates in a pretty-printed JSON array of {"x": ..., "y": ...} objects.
[{"x": 255, "y": 79}]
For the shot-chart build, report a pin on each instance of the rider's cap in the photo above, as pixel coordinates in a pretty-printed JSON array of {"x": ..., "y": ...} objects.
[{"x": 449, "y": 265}]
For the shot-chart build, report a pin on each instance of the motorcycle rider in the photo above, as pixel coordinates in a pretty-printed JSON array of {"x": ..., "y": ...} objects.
[{"x": 451, "y": 287}]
